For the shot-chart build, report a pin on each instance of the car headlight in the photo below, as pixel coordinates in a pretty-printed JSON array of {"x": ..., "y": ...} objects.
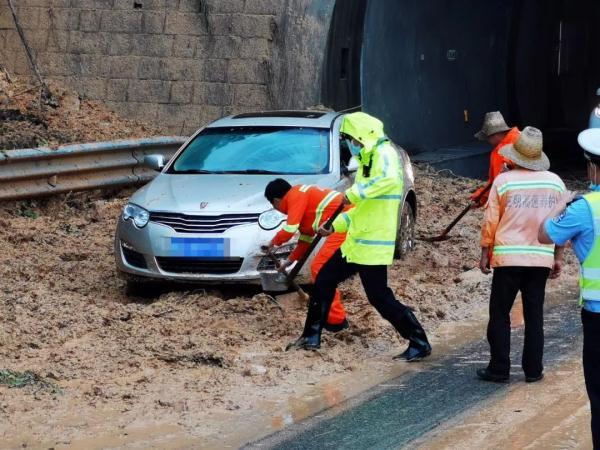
[
  {"x": 137, "y": 214},
  {"x": 597, "y": 111},
  {"x": 270, "y": 219}
]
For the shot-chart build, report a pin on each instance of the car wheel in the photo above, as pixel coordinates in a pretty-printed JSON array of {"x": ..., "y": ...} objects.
[{"x": 405, "y": 240}]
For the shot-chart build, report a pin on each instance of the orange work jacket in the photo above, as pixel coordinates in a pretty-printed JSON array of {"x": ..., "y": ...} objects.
[
  {"x": 307, "y": 208},
  {"x": 497, "y": 163}
]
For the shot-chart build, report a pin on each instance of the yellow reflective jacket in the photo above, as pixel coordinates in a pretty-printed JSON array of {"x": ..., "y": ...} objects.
[{"x": 376, "y": 193}]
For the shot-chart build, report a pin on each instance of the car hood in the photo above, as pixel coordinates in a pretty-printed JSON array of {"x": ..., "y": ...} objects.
[{"x": 207, "y": 193}]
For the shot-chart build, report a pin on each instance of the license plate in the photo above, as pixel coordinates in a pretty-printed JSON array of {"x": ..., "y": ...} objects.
[{"x": 200, "y": 247}]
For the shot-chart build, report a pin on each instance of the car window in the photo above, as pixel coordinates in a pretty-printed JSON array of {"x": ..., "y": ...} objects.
[{"x": 279, "y": 150}]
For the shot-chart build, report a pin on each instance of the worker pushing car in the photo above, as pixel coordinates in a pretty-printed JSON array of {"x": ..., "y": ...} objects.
[
  {"x": 307, "y": 208},
  {"x": 498, "y": 134},
  {"x": 371, "y": 227}
]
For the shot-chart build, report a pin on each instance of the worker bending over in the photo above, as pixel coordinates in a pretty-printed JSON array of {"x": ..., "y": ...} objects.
[
  {"x": 498, "y": 134},
  {"x": 371, "y": 228},
  {"x": 307, "y": 207}
]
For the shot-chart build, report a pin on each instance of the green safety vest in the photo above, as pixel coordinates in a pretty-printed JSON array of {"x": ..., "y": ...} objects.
[
  {"x": 376, "y": 193},
  {"x": 589, "y": 279}
]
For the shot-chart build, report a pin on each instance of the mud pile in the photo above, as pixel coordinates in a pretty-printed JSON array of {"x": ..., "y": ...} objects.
[
  {"x": 190, "y": 353},
  {"x": 26, "y": 120}
]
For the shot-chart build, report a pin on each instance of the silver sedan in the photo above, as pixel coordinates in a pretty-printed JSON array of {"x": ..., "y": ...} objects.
[{"x": 204, "y": 218}]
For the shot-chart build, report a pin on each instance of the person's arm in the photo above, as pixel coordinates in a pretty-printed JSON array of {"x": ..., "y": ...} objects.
[
  {"x": 491, "y": 219},
  {"x": 296, "y": 210},
  {"x": 385, "y": 179},
  {"x": 558, "y": 210},
  {"x": 558, "y": 261},
  {"x": 342, "y": 222}
]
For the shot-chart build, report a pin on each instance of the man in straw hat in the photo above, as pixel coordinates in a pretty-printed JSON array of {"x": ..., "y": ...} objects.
[
  {"x": 578, "y": 222},
  {"x": 519, "y": 201},
  {"x": 498, "y": 134}
]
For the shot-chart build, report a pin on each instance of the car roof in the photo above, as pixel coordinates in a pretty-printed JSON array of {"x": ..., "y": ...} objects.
[{"x": 309, "y": 119}]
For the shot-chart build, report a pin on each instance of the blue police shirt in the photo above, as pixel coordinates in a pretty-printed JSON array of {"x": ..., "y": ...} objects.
[{"x": 575, "y": 224}]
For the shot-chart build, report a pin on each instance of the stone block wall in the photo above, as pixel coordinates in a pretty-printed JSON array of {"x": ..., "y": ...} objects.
[{"x": 175, "y": 63}]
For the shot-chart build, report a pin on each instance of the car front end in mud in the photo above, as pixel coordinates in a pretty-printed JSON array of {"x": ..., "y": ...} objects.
[{"x": 167, "y": 248}]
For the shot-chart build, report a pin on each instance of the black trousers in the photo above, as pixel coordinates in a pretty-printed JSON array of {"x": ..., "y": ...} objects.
[
  {"x": 591, "y": 368},
  {"x": 506, "y": 283},
  {"x": 374, "y": 281}
]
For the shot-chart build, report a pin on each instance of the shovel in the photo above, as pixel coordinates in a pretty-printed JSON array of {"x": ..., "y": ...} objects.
[
  {"x": 444, "y": 236},
  {"x": 289, "y": 277}
]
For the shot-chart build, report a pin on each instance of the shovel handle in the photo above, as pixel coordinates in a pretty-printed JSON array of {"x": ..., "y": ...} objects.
[
  {"x": 314, "y": 243},
  {"x": 290, "y": 280},
  {"x": 466, "y": 210}
]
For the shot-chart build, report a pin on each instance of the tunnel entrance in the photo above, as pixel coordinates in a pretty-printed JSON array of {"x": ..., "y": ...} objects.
[{"x": 431, "y": 71}]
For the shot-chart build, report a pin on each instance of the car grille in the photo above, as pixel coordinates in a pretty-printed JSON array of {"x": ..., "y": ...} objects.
[
  {"x": 215, "y": 266},
  {"x": 184, "y": 223},
  {"x": 134, "y": 258}
]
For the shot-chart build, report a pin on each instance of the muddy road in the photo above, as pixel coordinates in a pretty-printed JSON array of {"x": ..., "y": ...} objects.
[{"x": 178, "y": 371}]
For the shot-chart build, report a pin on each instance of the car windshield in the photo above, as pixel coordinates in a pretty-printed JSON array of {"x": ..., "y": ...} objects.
[{"x": 256, "y": 150}]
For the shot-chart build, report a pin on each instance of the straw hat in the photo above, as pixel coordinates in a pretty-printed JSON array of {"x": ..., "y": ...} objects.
[
  {"x": 492, "y": 123},
  {"x": 527, "y": 151}
]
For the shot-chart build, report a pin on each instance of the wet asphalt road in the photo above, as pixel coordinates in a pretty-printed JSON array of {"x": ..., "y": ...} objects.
[{"x": 394, "y": 414}]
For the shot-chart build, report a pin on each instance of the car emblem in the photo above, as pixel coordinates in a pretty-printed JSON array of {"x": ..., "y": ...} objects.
[{"x": 203, "y": 205}]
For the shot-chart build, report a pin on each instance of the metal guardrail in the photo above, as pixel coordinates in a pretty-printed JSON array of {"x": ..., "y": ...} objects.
[{"x": 34, "y": 172}]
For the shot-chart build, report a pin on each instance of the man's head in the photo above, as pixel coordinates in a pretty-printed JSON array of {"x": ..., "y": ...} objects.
[
  {"x": 494, "y": 128},
  {"x": 589, "y": 140},
  {"x": 276, "y": 190},
  {"x": 362, "y": 130},
  {"x": 496, "y": 138}
]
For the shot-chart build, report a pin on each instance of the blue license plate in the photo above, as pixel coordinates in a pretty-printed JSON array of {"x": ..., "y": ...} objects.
[{"x": 200, "y": 247}]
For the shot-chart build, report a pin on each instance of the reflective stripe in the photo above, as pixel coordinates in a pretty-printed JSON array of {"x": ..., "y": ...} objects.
[
  {"x": 523, "y": 249},
  {"x": 590, "y": 274},
  {"x": 362, "y": 187},
  {"x": 321, "y": 207},
  {"x": 346, "y": 218},
  {"x": 388, "y": 197},
  {"x": 369, "y": 242},
  {"x": 291, "y": 228},
  {"x": 304, "y": 187},
  {"x": 514, "y": 185},
  {"x": 306, "y": 238}
]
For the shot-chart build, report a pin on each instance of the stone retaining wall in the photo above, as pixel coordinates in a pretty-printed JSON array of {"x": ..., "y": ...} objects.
[{"x": 175, "y": 63}]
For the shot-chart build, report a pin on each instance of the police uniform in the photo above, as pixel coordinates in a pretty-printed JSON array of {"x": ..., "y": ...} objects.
[{"x": 580, "y": 224}]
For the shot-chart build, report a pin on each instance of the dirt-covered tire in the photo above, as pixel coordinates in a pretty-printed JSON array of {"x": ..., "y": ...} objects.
[{"x": 405, "y": 240}]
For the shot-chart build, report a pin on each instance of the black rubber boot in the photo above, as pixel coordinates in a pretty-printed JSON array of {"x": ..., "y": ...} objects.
[
  {"x": 311, "y": 336},
  {"x": 418, "y": 347}
]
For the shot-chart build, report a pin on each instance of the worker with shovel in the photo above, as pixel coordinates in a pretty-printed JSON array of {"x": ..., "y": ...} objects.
[
  {"x": 498, "y": 134},
  {"x": 371, "y": 228},
  {"x": 307, "y": 208}
]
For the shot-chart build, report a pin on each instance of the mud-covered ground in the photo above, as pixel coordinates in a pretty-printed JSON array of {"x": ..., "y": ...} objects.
[
  {"x": 190, "y": 354},
  {"x": 27, "y": 120}
]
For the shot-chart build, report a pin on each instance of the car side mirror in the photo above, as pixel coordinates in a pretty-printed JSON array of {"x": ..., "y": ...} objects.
[
  {"x": 352, "y": 165},
  {"x": 154, "y": 162}
]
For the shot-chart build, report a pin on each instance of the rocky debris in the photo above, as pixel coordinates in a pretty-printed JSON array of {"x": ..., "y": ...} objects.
[{"x": 27, "y": 122}]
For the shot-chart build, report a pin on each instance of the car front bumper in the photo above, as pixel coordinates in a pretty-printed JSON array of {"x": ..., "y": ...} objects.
[{"x": 147, "y": 253}]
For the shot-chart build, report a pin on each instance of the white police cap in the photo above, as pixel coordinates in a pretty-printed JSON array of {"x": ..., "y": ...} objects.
[{"x": 589, "y": 140}]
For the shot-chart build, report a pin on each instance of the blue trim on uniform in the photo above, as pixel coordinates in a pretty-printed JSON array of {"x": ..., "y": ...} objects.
[
  {"x": 346, "y": 218},
  {"x": 370, "y": 242},
  {"x": 575, "y": 224},
  {"x": 388, "y": 197}
]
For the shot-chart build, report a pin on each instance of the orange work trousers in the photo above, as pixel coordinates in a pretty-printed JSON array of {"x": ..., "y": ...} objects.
[{"x": 337, "y": 313}]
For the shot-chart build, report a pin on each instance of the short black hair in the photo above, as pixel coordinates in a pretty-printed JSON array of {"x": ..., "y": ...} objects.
[{"x": 277, "y": 189}]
